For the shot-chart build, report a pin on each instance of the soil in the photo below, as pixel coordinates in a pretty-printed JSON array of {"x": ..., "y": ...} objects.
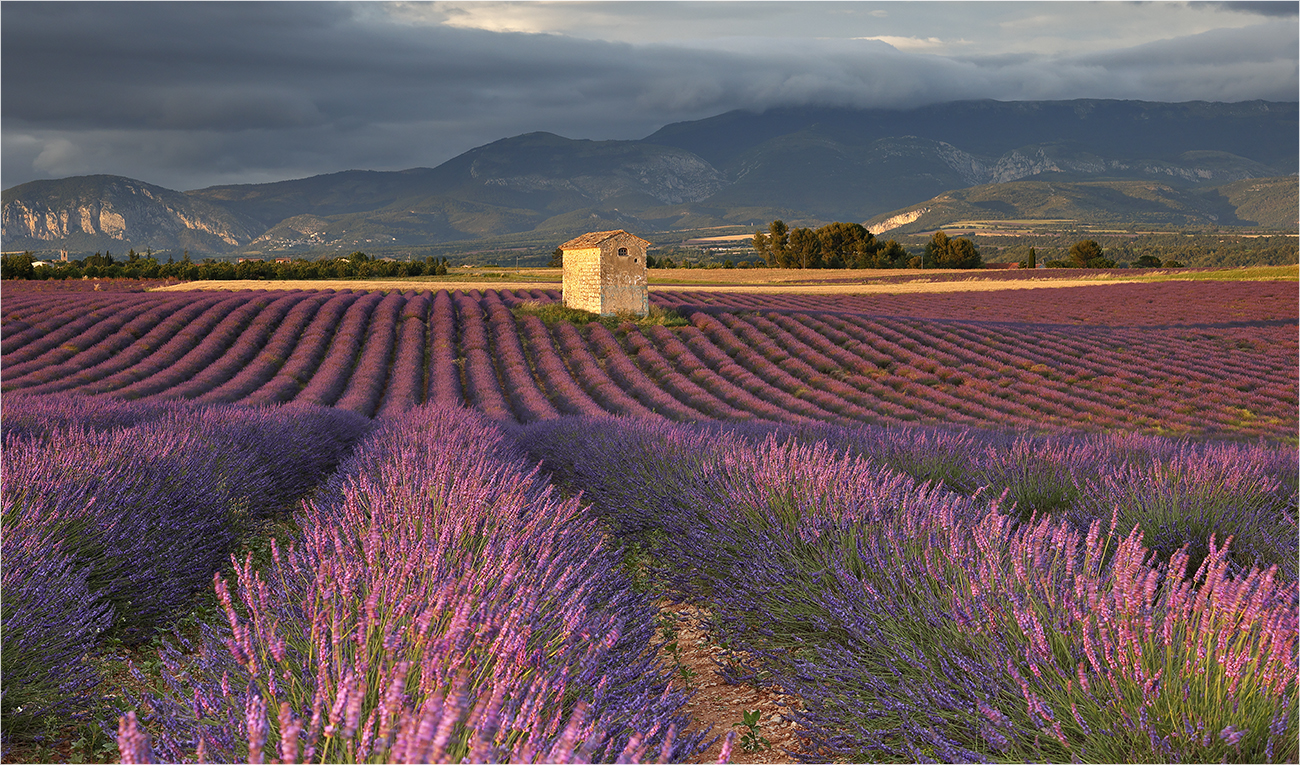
[{"x": 720, "y": 706}]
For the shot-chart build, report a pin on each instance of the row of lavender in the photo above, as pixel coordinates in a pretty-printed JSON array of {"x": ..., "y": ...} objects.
[
  {"x": 379, "y": 354},
  {"x": 1186, "y": 303},
  {"x": 439, "y": 603},
  {"x": 922, "y": 621},
  {"x": 435, "y": 600},
  {"x": 115, "y": 514}
]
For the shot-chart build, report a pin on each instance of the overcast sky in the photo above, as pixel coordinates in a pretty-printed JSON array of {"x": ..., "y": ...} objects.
[{"x": 187, "y": 95}]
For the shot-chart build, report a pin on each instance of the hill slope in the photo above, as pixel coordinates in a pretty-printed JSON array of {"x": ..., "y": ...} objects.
[
  {"x": 1266, "y": 203},
  {"x": 106, "y": 211},
  {"x": 852, "y": 164},
  {"x": 809, "y": 164}
]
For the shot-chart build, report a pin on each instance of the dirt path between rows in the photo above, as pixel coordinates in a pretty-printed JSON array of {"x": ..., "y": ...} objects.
[{"x": 719, "y": 705}]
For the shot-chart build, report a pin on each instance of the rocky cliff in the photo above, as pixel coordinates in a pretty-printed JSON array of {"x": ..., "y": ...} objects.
[{"x": 113, "y": 212}]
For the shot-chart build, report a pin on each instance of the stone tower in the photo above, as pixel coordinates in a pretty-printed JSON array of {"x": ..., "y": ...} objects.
[{"x": 605, "y": 273}]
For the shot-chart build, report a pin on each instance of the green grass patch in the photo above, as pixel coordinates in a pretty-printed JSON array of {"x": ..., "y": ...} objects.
[
  {"x": 552, "y": 313},
  {"x": 1246, "y": 274}
]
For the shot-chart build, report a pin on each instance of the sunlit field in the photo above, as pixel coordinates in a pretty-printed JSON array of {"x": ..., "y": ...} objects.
[{"x": 957, "y": 518}]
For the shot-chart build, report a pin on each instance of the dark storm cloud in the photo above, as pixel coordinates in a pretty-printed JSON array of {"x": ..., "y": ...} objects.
[
  {"x": 1280, "y": 9},
  {"x": 192, "y": 94}
]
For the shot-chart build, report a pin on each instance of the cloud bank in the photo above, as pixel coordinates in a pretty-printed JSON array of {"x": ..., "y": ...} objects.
[{"x": 187, "y": 95}]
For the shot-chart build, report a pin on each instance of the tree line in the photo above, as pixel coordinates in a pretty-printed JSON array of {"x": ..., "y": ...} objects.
[
  {"x": 1088, "y": 253},
  {"x": 851, "y": 245},
  {"x": 135, "y": 266}
]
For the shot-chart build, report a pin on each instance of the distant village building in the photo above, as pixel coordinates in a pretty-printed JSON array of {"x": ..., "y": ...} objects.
[{"x": 605, "y": 273}]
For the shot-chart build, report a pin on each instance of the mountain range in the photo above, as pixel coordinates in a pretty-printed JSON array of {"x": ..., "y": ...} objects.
[{"x": 1120, "y": 162}]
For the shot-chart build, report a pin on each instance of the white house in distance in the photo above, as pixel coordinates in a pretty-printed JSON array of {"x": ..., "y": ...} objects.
[{"x": 605, "y": 273}]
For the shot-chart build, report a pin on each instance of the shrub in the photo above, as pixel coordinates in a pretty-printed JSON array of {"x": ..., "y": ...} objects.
[
  {"x": 917, "y": 624},
  {"x": 439, "y": 603},
  {"x": 113, "y": 526},
  {"x": 552, "y": 313}
]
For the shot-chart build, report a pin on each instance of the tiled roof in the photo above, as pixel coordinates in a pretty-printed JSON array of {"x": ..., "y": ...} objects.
[{"x": 595, "y": 238}]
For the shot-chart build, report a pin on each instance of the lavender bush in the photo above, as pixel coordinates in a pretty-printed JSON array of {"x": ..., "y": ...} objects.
[
  {"x": 49, "y": 621},
  {"x": 308, "y": 350},
  {"x": 114, "y": 524},
  {"x": 444, "y": 375},
  {"x": 440, "y": 603},
  {"x": 919, "y": 624},
  {"x": 328, "y": 381},
  {"x": 406, "y": 386},
  {"x": 365, "y": 387}
]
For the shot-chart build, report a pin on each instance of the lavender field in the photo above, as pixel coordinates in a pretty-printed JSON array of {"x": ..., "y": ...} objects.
[
  {"x": 1056, "y": 525},
  {"x": 1199, "y": 359}
]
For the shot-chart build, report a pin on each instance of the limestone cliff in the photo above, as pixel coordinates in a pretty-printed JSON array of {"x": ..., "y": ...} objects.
[{"x": 110, "y": 211}]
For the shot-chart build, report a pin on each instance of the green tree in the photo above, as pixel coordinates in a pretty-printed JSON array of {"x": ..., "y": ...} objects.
[
  {"x": 1088, "y": 254},
  {"x": 772, "y": 246},
  {"x": 944, "y": 252},
  {"x": 847, "y": 245},
  {"x": 890, "y": 255},
  {"x": 557, "y": 259},
  {"x": 805, "y": 249},
  {"x": 17, "y": 266},
  {"x": 101, "y": 261}
]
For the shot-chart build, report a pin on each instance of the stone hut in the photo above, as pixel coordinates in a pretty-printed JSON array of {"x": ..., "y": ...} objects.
[{"x": 605, "y": 273}]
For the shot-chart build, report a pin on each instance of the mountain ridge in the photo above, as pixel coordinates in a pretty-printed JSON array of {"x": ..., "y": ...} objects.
[{"x": 737, "y": 168}]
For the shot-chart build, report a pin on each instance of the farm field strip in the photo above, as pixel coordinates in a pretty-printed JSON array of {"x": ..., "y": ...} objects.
[
  {"x": 194, "y": 348},
  {"x": 549, "y": 366},
  {"x": 764, "y": 362},
  {"x": 761, "y": 281},
  {"x": 161, "y": 320},
  {"x": 326, "y": 384},
  {"x": 235, "y": 357},
  {"x": 735, "y": 376},
  {"x": 628, "y": 374},
  {"x": 370, "y": 369},
  {"x": 1017, "y": 367},
  {"x": 594, "y": 377},
  {"x": 408, "y": 384},
  {"x": 914, "y": 375},
  {"x": 1110, "y": 304},
  {"x": 61, "y": 344},
  {"x": 444, "y": 376},
  {"x": 730, "y": 364},
  {"x": 814, "y": 369},
  {"x": 372, "y": 352},
  {"x": 168, "y": 341},
  {"x": 290, "y": 377},
  {"x": 518, "y": 380},
  {"x": 675, "y": 381},
  {"x": 255, "y": 373},
  {"x": 481, "y": 386}
]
